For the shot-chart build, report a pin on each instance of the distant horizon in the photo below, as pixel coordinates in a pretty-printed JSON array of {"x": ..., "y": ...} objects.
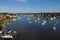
[
  {"x": 29, "y": 6},
  {"x": 37, "y": 12}
]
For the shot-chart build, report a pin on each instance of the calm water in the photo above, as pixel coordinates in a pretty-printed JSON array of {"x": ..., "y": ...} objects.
[{"x": 28, "y": 28}]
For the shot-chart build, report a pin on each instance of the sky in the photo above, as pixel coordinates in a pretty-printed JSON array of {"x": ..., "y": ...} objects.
[{"x": 29, "y": 6}]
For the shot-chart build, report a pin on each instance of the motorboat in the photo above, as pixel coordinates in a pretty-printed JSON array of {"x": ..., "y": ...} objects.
[
  {"x": 44, "y": 21},
  {"x": 7, "y": 37},
  {"x": 51, "y": 18},
  {"x": 14, "y": 19},
  {"x": 54, "y": 28},
  {"x": 43, "y": 24}
]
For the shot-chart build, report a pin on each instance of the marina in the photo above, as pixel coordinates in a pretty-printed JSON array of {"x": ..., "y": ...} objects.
[
  {"x": 29, "y": 19},
  {"x": 31, "y": 28}
]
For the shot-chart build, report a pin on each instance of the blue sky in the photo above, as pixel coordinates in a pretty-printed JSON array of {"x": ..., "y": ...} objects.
[{"x": 29, "y": 6}]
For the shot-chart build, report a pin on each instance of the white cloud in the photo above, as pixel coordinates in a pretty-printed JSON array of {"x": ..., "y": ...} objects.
[
  {"x": 24, "y": 1},
  {"x": 21, "y": 0}
]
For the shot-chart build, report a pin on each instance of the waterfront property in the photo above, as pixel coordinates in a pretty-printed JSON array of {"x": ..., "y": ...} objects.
[{"x": 2, "y": 17}]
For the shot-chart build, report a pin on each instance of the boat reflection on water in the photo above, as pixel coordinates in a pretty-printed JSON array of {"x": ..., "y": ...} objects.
[{"x": 54, "y": 28}]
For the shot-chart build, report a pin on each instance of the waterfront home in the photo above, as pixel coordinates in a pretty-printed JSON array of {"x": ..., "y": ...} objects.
[
  {"x": 12, "y": 16},
  {"x": 2, "y": 17}
]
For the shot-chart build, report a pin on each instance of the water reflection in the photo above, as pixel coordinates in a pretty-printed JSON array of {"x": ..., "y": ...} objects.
[
  {"x": 35, "y": 20},
  {"x": 57, "y": 22},
  {"x": 28, "y": 19},
  {"x": 19, "y": 18},
  {"x": 30, "y": 22}
]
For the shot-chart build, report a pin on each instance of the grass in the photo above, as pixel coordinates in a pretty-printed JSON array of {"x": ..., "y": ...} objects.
[{"x": 1, "y": 24}]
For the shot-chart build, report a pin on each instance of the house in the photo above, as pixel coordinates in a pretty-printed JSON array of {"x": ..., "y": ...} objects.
[{"x": 2, "y": 17}]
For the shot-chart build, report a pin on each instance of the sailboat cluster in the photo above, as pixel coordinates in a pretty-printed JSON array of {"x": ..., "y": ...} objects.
[
  {"x": 7, "y": 35},
  {"x": 44, "y": 22}
]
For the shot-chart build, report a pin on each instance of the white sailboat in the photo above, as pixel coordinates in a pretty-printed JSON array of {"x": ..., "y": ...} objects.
[
  {"x": 54, "y": 28},
  {"x": 44, "y": 22},
  {"x": 51, "y": 18},
  {"x": 28, "y": 19}
]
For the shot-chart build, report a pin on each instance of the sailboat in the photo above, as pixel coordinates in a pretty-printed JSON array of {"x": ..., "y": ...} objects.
[{"x": 44, "y": 22}]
